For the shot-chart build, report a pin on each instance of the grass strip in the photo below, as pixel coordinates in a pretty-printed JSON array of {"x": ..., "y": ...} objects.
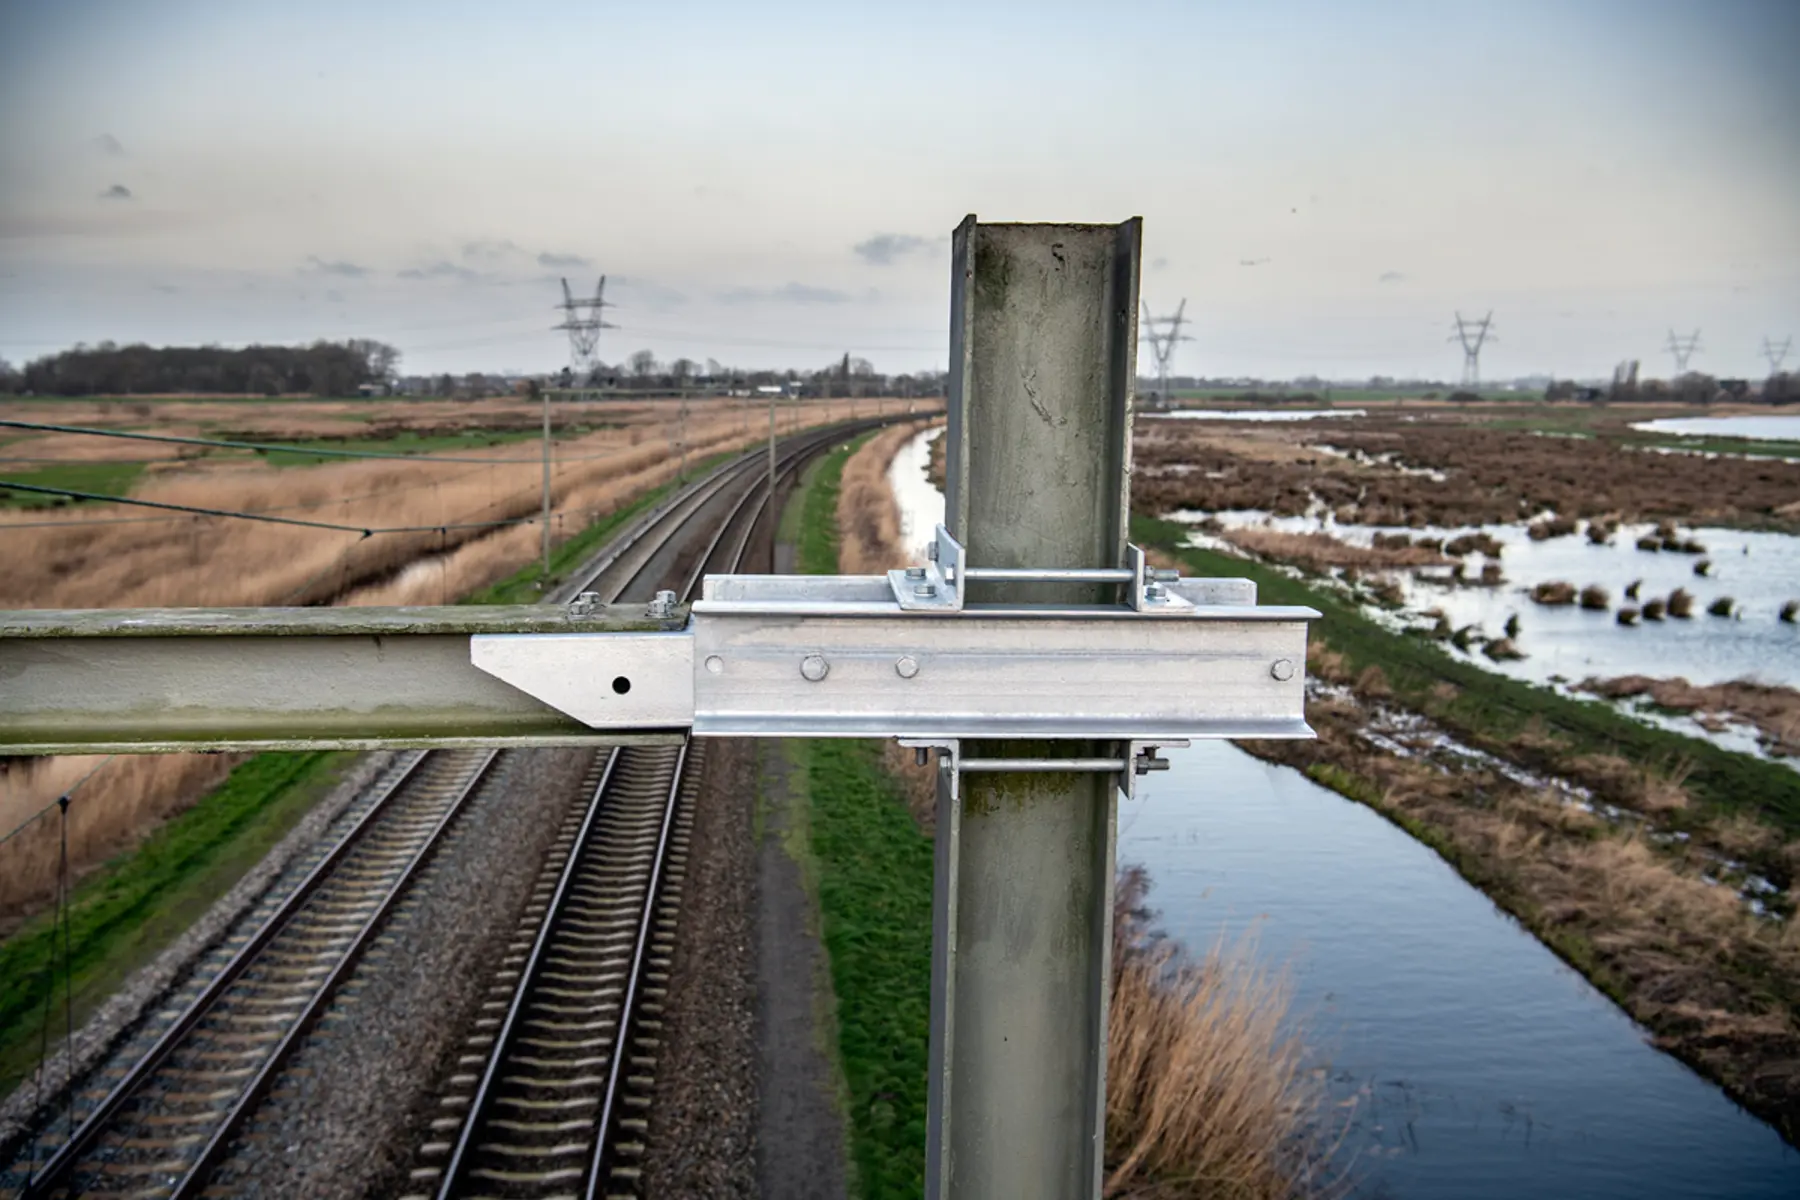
[
  {"x": 103, "y": 478},
  {"x": 874, "y": 871},
  {"x": 1490, "y": 710},
  {"x": 126, "y": 911}
]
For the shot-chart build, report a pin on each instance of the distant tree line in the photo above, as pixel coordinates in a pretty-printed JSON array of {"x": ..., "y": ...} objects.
[
  {"x": 845, "y": 377},
  {"x": 321, "y": 369}
]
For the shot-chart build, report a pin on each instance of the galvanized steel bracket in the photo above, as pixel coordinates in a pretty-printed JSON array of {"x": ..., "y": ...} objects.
[{"x": 872, "y": 656}]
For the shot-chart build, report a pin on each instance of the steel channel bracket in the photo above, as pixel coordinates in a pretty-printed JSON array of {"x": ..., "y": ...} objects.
[{"x": 874, "y": 656}]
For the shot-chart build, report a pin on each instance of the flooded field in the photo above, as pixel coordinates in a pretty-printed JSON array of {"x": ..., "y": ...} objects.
[{"x": 1758, "y": 573}]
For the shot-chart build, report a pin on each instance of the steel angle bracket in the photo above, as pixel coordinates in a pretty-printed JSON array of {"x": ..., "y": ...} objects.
[
  {"x": 1140, "y": 758},
  {"x": 848, "y": 656}
]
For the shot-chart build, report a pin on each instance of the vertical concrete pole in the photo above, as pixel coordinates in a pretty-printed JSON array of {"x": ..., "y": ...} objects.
[{"x": 1043, "y": 357}]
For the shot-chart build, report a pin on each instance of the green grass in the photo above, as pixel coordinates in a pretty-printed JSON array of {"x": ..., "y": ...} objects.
[
  {"x": 526, "y": 585},
  {"x": 407, "y": 442},
  {"x": 874, "y": 877},
  {"x": 1767, "y": 448},
  {"x": 125, "y": 912},
  {"x": 873, "y": 871},
  {"x": 101, "y": 478},
  {"x": 1491, "y": 710}
]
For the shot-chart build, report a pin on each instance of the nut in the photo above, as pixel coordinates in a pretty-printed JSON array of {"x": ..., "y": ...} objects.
[
  {"x": 925, "y": 590},
  {"x": 906, "y": 666},
  {"x": 1282, "y": 669},
  {"x": 814, "y": 667}
]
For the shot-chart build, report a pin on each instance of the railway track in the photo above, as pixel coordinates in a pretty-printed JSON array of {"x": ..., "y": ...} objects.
[
  {"x": 166, "y": 1121},
  {"x": 555, "y": 1108},
  {"x": 551, "y": 1098}
]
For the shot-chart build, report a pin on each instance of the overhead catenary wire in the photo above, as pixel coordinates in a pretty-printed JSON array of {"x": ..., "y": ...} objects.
[
  {"x": 76, "y": 522},
  {"x": 366, "y": 531}
]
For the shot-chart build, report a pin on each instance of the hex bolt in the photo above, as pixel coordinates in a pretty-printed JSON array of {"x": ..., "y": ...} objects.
[
  {"x": 814, "y": 667},
  {"x": 906, "y": 666},
  {"x": 1148, "y": 761},
  {"x": 1282, "y": 669},
  {"x": 663, "y": 605},
  {"x": 915, "y": 572},
  {"x": 931, "y": 551},
  {"x": 920, "y": 756},
  {"x": 1153, "y": 591},
  {"x": 1162, "y": 575},
  {"x": 925, "y": 590}
]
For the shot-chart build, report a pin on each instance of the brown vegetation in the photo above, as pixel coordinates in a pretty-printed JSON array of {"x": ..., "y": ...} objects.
[
  {"x": 1774, "y": 711},
  {"x": 1595, "y": 598},
  {"x": 1490, "y": 475},
  {"x": 1207, "y": 1089},
  {"x": 1554, "y": 592},
  {"x": 1321, "y": 551},
  {"x": 1681, "y": 603}
]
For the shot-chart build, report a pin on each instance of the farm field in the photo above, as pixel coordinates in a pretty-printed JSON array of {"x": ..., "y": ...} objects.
[{"x": 460, "y": 526}]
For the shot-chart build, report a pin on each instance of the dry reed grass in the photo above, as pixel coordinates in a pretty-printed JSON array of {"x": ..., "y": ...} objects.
[
  {"x": 1207, "y": 1088},
  {"x": 1320, "y": 551}
]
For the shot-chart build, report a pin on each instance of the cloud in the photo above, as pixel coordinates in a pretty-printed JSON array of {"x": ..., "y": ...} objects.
[
  {"x": 552, "y": 260},
  {"x": 646, "y": 292},
  {"x": 886, "y": 248},
  {"x": 346, "y": 270},
  {"x": 117, "y": 191},
  {"x": 442, "y": 270},
  {"x": 1391, "y": 277},
  {"x": 108, "y": 145},
  {"x": 491, "y": 249},
  {"x": 787, "y": 293}
]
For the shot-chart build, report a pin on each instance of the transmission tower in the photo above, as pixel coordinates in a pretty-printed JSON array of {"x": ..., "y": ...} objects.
[
  {"x": 1683, "y": 349},
  {"x": 1776, "y": 352},
  {"x": 583, "y": 320},
  {"x": 1473, "y": 335},
  {"x": 1162, "y": 334}
]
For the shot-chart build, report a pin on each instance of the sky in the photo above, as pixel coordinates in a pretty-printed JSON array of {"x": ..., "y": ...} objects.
[{"x": 1325, "y": 184}]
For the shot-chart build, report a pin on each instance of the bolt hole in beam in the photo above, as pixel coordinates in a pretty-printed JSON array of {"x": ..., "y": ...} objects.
[{"x": 621, "y": 685}]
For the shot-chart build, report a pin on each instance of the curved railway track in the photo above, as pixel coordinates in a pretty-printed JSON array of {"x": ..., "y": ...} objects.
[{"x": 555, "y": 1108}]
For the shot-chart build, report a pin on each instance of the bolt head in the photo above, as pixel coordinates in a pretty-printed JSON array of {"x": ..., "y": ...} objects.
[
  {"x": 924, "y": 590},
  {"x": 714, "y": 664},
  {"x": 906, "y": 666},
  {"x": 915, "y": 572},
  {"x": 814, "y": 667},
  {"x": 1282, "y": 669},
  {"x": 1153, "y": 591}
]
